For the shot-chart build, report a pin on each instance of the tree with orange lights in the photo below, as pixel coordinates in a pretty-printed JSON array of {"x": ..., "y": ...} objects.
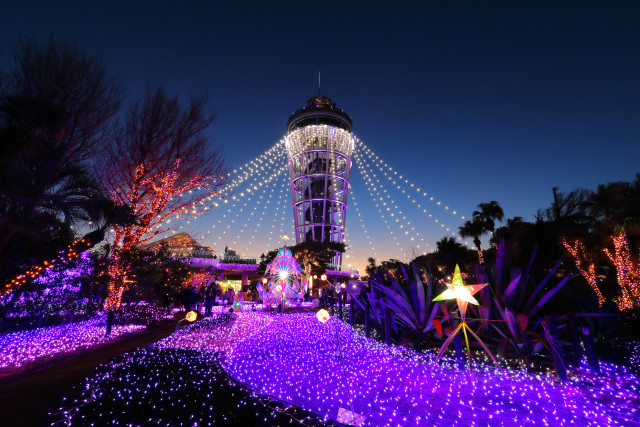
[
  {"x": 617, "y": 207},
  {"x": 161, "y": 165},
  {"x": 585, "y": 264}
]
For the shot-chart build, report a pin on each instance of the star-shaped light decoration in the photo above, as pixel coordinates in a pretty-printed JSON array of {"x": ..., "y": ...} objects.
[{"x": 463, "y": 294}]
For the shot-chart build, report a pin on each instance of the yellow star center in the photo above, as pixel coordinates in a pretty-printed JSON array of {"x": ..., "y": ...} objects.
[{"x": 463, "y": 294}]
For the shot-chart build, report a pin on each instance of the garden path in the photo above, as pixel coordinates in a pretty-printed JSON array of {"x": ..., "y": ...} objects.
[{"x": 295, "y": 358}]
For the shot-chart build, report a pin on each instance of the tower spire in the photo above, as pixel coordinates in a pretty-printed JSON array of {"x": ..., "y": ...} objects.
[{"x": 318, "y": 82}]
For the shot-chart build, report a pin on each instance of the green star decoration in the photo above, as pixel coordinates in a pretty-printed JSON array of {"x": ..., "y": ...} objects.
[{"x": 463, "y": 294}]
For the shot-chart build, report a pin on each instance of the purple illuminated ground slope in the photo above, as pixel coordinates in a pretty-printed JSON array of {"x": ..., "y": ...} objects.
[{"x": 296, "y": 359}]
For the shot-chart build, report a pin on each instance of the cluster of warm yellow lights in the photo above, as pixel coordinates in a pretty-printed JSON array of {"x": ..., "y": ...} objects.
[
  {"x": 242, "y": 202},
  {"x": 303, "y": 139},
  {"x": 402, "y": 184},
  {"x": 254, "y": 167},
  {"x": 374, "y": 185},
  {"x": 364, "y": 228},
  {"x": 371, "y": 188},
  {"x": 252, "y": 175},
  {"x": 279, "y": 214},
  {"x": 261, "y": 209}
]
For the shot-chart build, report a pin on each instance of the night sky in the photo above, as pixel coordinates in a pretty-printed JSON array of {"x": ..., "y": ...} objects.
[{"x": 470, "y": 102}]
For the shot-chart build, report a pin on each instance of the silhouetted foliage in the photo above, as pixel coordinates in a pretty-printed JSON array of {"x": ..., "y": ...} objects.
[
  {"x": 313, "y": 256},
  {"x": 482, "y": 222},
  {"x": 617, "y": 205},
  {"x": 153, "y": 275},
  {"x": 43, "y": 192},
  {"x": 371, "y": 266},
  {"x": 56, "y": 107},
  {"x": 265, "y": 260},
  {"x": 449, "y": 252},
  {"x": 71, "y": 83},
  {"x": 568, "y": 213}
]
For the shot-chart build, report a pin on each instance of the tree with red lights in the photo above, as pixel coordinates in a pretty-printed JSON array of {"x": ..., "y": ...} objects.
[
  {"x": 162, "y": 166},
  {"x": 617, "y": 208}
]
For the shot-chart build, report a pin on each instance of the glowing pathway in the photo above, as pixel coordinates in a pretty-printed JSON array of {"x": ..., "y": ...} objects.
[
  {"x": 220, "y": 333},
  {"x": 295, "y": 358}
]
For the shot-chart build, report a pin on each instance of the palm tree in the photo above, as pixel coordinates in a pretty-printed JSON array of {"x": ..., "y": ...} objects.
[
  {"x": 489, "y": 213},
  {"x": 483, "y": 221},
  {"x": 473, "y": 228}
]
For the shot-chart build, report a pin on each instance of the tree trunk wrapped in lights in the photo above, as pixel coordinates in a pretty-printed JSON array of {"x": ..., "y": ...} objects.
[
  {"x": 617, "y": 208},
  {"x": 585, "y": 266},
  {"x": 628, "y": 274},
  {"x": 162, "y": 167}
]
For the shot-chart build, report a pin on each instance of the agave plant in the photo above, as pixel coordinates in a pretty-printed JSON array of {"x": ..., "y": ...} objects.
[
  {"x": 369, "y": 301},
  {"x": 510, "y": 312},
  {"x": 412, "y": 312}
]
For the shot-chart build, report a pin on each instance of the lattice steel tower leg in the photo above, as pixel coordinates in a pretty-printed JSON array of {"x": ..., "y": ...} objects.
[{"x": 319, "y": 146}]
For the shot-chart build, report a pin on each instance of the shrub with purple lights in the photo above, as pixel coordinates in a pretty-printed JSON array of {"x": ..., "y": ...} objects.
[
  {"x": 21, "y": 348},
  {"x": 172, "y": 387},
  {"x": 63, "y": 293},
  {"x": 141, "y": 314},
  {"x": 75, "y": 291}
]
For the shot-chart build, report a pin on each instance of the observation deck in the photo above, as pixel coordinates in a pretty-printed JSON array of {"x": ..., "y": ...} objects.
[
  {"x": 319, "y": 146},
  {"x": 319, "y": 111}
]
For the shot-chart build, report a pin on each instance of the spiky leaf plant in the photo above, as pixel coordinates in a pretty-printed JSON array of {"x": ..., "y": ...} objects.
[
  {"x": 510, "y": 310},
  {"x": 412, "y": 309}
]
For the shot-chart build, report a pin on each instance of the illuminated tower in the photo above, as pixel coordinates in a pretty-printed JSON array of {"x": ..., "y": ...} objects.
[{"x": 319, "y": 146}]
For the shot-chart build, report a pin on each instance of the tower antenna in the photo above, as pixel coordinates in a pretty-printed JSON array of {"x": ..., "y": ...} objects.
[{"x": 318, "y": 83}]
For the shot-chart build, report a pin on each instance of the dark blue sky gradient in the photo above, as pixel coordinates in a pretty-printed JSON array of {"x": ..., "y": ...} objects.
[{"x": 501, "y": 101}]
